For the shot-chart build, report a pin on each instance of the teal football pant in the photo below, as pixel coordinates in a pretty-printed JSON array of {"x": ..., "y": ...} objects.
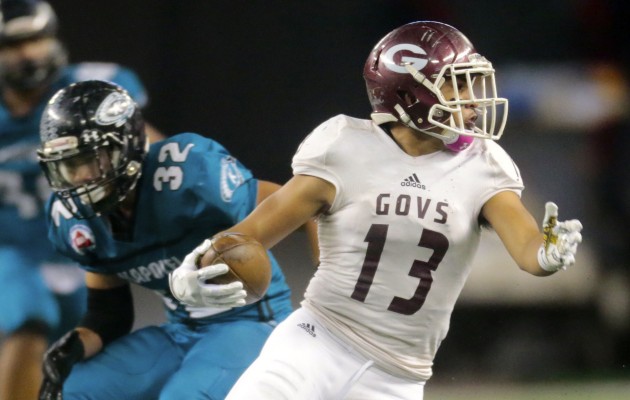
[{"x": 170, "y": 362}]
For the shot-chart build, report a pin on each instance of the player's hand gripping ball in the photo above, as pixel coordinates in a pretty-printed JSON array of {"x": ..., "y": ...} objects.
[{"x": 247, "y": 260}]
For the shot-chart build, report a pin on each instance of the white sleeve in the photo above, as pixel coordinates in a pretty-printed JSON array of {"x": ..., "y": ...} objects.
[
  {"x": 314, "y": 154},
  {"x": 505, "y": 175}
]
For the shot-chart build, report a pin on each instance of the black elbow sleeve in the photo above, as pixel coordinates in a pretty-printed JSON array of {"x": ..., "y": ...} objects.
[{"x": 109, "y": 312}]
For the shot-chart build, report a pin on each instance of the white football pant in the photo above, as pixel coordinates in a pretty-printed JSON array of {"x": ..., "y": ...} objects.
[{"x": 301, "y": 360}]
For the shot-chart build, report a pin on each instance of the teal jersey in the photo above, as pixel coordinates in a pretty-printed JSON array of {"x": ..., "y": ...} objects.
[{"x": 190, "y": 189}]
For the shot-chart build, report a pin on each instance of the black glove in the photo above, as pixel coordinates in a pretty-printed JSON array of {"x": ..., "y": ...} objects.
[
  {"x": 50, "y": 391},
  {"x": 58, "y": 362}
]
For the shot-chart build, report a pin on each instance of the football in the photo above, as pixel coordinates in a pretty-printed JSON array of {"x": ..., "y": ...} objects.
[{"x": 248, "y": 261}]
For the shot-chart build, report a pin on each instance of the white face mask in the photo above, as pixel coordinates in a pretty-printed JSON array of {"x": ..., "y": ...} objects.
[
  {"x": 476, "y": 80},
  {"x": 90, "y": 194}
]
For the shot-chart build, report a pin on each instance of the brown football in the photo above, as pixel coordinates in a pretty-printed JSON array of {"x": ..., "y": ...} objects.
[{"x": 248, "y": 261}]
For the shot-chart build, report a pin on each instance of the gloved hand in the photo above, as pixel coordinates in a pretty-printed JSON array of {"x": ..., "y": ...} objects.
[
  {"x": 188, "y": 283},
  {"x": 58, "y": 362},
  {"x": 561, "y": 240}
]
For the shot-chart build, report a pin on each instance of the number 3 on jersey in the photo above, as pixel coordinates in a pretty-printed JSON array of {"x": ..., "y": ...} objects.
[{"x": 376, "y": 236}]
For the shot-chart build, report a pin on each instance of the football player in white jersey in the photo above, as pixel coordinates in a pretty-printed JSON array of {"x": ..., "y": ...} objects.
[{"x": 402, "y": 200}]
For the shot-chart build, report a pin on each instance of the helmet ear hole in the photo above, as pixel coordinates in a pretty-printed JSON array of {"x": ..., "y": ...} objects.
[{"x": 407, "y": 98}]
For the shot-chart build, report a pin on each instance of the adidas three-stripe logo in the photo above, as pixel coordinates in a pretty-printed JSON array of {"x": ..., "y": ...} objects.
[
  {"x": 310, "y": 329},
  {"x": 412, "y": 181}
]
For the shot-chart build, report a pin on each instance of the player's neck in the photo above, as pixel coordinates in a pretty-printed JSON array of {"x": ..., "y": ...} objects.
[
  {"x": 126, "y": 207},
  {"x": 415, "y": 143},
  {"x": 21, "y": 103},
  {"x": 122, "y": 218}
]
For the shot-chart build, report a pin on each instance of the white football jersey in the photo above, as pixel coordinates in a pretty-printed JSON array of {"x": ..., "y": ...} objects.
[{"x": 397, "y": 244}]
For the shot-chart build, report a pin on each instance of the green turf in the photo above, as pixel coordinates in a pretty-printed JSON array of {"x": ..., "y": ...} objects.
[{"x": 619, "y": 390}]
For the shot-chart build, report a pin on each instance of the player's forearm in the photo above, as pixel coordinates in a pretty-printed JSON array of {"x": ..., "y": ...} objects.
[
  {"x": 522, "y": 242},
  {"x": 527, "y": 259},
  {"x": 109, "y": 315},
  {"x": 264, "y": 227}
]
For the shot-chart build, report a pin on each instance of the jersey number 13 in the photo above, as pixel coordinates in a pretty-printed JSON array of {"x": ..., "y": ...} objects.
[{"x": 375, "y": 238}]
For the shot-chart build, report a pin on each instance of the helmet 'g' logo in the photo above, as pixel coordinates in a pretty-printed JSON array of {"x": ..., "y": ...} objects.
[
  {"x": 416, "y": 62},
  {"x": 115, "y": 109}
]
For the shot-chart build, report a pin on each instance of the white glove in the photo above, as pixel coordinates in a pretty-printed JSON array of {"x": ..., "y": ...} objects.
[
  {"x": 561, "y": 240},
  {"x": 188, "y": 283}
]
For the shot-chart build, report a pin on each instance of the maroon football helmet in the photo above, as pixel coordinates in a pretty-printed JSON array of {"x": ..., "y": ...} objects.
[{"x": 406, "y": 70}]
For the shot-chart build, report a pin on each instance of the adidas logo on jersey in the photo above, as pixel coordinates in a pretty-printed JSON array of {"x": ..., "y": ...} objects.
[
  {"x": 308, "y": 328},
  {"x": 412, "y": 181}
]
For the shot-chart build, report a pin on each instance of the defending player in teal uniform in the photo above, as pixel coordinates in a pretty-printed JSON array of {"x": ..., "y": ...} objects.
[
  {"x": 41, "y": 294},
  {"x": 130, "y": 216}
]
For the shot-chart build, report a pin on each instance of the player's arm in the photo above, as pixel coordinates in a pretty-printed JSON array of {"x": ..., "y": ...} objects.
[
  {"x": 534, "y": 252},
  {"x": 109, "y": 312},
  {"x": 516, "y": 228},
  {"x": 294, "y": 204},
  {"x": 266, "y": 189},
  {"x": 109, "y": 315}
]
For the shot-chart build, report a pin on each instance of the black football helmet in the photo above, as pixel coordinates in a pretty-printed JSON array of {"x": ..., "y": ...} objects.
[
  {"x": 21, "y": 21},
  {"x": 92, "y": 146},
  {"x": 406, "y": 70}
]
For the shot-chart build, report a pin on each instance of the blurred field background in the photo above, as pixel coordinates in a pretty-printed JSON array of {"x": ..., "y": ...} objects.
[
  {"x": 258, "y": 75},
  {"x": 533, "y": 391}
]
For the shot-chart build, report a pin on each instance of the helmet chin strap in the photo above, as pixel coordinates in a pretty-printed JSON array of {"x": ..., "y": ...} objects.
[
  {"x": 452, "y": 140},
  {"x": 460, "y": 142},
  {"x": 445, "y": 136}
]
